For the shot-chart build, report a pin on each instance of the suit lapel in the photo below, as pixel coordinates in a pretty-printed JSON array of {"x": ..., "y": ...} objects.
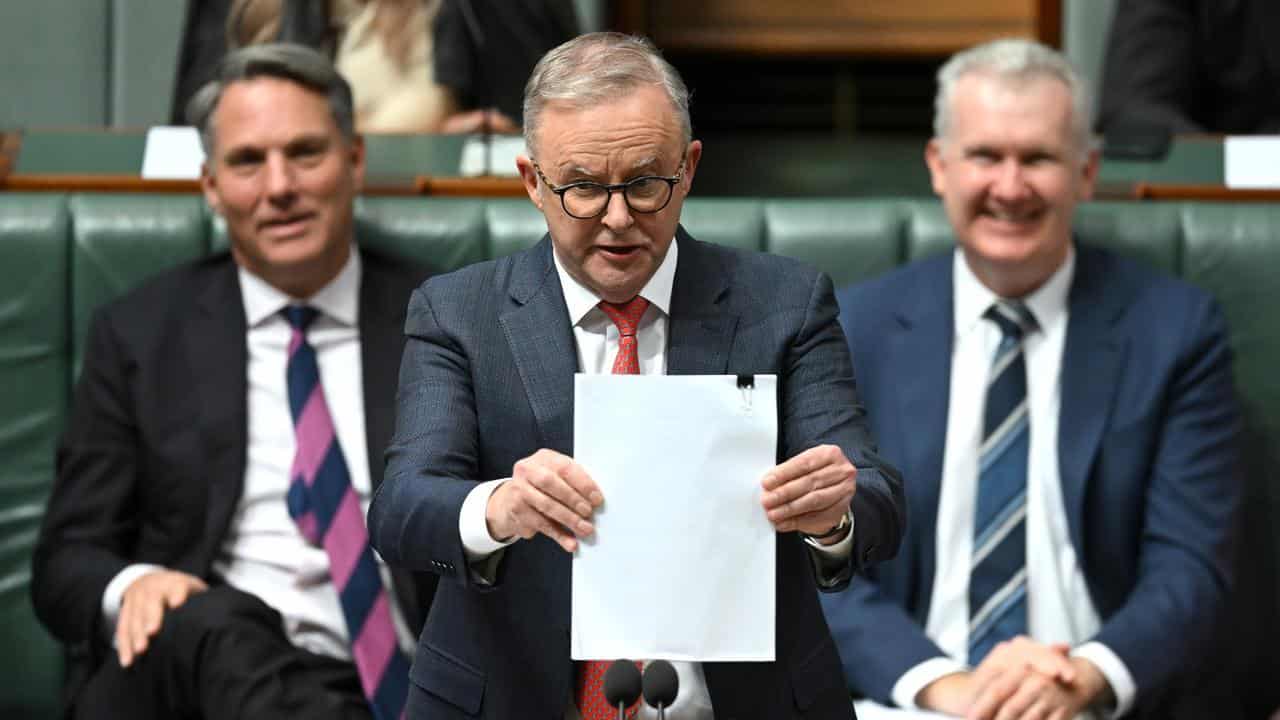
[
  {"x": 700, "y": 331},
  {"x": 216, "y": 349},
  {"x": 538, "y": 332},
  {"x": 1091, "y": 362},
  {"x": 919, "y": 358}
]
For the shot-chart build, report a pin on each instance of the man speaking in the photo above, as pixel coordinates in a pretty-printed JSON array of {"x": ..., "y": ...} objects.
[{"x": 481, "y": 485}]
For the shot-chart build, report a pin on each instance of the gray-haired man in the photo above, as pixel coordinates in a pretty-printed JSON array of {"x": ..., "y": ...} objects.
[
  {"x": 481, "y": 483},
  {"x": 1067, "y": 421},
  {"x": 204, "y": 545}
]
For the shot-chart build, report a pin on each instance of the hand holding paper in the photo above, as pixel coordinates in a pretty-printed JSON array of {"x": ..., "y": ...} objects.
[
  {"x": 811, "y": 491},
  {"x": 548, "y": 493}
]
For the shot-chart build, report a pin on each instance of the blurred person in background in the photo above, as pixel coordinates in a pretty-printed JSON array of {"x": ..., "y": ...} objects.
[
  {"x": 1067, "y": 425},
  {"x": 1190, "y": 66}
]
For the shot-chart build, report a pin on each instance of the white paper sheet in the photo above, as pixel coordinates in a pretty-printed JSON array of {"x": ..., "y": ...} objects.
[
  {"x": 172, "y": 153},
  {"x": 868, "y": 710},
  {"x": 503, "y": 150},
  {"x": 681, "y": 566},
  {"x": 1251, "y": 161}
]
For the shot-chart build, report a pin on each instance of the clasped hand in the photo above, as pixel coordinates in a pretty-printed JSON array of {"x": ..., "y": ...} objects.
[
  {"x": 551, "y": 494},
  {"x": 1020, "y": 679}
]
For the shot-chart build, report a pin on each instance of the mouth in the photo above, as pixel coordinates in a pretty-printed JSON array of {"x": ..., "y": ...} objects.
[
  {"x": 1013, "y": 219},
  {"x": 618, "y": 251},
  {"x": 286, "y": 225}
]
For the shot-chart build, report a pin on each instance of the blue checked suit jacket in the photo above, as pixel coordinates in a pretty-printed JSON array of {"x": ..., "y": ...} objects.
[
  {"x": 1147, "y": 449},
  {"x": 487, "y": 379}
]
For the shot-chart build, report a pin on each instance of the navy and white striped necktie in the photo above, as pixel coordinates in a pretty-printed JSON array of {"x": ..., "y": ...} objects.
[{"x": 998, "y": 571}]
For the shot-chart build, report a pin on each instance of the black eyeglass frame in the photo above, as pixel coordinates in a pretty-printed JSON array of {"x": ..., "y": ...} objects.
[{"x": 611, "y": 188}]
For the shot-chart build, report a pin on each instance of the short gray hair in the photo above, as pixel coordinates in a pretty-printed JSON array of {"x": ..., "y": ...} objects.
[
  {"x": 1015, "y": 61},
  {"x": 285, "y": 61},
  {"x": 596, "y": 68}
]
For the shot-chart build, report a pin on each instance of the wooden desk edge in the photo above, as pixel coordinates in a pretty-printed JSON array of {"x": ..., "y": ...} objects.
[
  {"x": 421, "y": 185},
  {"x": 1202, "y": 192}
]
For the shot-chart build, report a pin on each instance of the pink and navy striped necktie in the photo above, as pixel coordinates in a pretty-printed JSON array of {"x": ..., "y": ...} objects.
[{"x": 327, "y": 511}]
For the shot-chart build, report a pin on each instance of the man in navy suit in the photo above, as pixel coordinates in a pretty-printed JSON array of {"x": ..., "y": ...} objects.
[
  {"x": 1066, "y": 423},
  {"x": 481, "y": 484}
]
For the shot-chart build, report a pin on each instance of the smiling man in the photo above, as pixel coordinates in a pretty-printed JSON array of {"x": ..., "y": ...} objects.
[
  {"x": 1066, "y": 422},
  {"x": 204, "y": 545},
  {"x": 481, "y": 483}
]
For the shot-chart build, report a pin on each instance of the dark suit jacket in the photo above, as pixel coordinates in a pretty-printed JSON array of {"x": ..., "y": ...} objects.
[
  {"x": 1146, "y": 447},
  {"x": 1193, "y": 66},
  {"x": 152, "y": 462},
  {"x": 487, "y": 379}
]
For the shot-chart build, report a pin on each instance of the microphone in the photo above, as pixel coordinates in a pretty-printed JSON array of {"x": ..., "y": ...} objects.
[
  {"x": 660, "y": 686},
  {"x": 622, "y": 685}
]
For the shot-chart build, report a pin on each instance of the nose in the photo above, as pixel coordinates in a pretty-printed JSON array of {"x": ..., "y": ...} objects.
[
  {"x": 279, "y": 178},
  {"x": 617, "y": 215},
  {"x": 1010, "y": 183}
]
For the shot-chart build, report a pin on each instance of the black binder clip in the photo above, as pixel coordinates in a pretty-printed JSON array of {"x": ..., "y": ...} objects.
[{"x": 746, "y": 384}]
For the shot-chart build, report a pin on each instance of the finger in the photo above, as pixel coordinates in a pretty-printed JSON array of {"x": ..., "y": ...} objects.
[
  {"x": 550, "y": 510},
  {"x": 124, "y": 650},
  {"x": 1053, "y": 665},
  {"x": 798, "y": 466},
  {"x": 545, "y": 465},
  {"x": 1031, "y": 691},
  {"x": 994, "y": 694},
  {"x": 554, "y": 486},
  {"x": 557, "y": 533},
  {"x": 819, "y": 501},
  {"x": 577, "y": 478}
]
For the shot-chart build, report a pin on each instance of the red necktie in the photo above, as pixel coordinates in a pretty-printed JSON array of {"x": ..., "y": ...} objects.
[{"x": 589, "y": 692}]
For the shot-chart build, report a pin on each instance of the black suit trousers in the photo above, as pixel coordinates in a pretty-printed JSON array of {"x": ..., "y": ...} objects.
[{"x": 223, "y": 654}]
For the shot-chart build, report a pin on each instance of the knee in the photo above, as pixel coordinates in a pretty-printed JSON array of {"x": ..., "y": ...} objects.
[{"x": 209, "y": 613}]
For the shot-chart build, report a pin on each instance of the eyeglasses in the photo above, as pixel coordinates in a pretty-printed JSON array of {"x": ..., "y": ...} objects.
[{"x": 585, "y": 199}]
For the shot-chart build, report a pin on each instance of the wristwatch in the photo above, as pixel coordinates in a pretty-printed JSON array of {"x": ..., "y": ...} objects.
[{"x": 845, "y": 522}]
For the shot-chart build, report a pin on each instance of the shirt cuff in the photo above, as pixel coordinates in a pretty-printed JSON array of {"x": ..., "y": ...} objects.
[
  {"x": 829, "y": 561},
  {"x": 113, "y": 596},
  {"x": 472, "y": 526},
  {"x": 1116, "y": 673},
  {"x": 908, "y": 687}
]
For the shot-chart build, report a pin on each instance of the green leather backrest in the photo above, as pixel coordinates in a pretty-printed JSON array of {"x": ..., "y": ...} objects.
[
  {"x": 61, "y": 257},
  {"x": 34, "y": 309},
  {"x": 119, "y": 240}
]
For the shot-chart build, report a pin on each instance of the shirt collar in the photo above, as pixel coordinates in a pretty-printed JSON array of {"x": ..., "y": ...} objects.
[
  {"x": 1048, "y": 302},
  {"x": 338, "y": 300},
  {"x": 581, "y": 300}
]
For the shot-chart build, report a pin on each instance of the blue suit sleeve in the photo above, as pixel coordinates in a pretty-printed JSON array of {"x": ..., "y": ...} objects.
[{"x": 1189, "y": 526}]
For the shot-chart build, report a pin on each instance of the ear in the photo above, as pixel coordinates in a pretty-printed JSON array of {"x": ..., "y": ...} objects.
[
  {"x": 691, "y": 157},
  {"x": 209, "y": 186},
  {"x": 530, "y": 177},
  {"x": 937, "y": 164},
  {"x": 357, "y": 162},
  {"x": 1089, "y": 174}
]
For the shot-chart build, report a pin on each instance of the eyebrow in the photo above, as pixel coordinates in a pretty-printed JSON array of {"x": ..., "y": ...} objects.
[
  {"x": 649, "y": 162},
  {"x": 301, "y": 142}
]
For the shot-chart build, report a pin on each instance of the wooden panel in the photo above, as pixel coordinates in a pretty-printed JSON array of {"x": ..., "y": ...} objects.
[
  {"x": 421, "y": 185},
  {"x": 9, "y": 144},
  {"x": 832, "y": 27}
]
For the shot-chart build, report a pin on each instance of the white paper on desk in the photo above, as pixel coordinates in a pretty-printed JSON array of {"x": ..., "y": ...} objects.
[
  {"x": 1251, "y": 161},
  {"x": 868, "y": 710},
  {"x": 172, "y": 153},
  {"x": 503, "y": 150},
  {"x": 681, "y": 566}
]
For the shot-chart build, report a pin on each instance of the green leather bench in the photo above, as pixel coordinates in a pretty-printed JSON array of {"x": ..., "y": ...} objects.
[{"x": 61, "y": 256}]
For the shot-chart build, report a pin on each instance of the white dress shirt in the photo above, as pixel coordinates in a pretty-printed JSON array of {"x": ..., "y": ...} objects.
[
  {"x": 597, "y": 338},
  {"x": 1059, "y": 608},
  {"x": 263, "y": 552}
]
